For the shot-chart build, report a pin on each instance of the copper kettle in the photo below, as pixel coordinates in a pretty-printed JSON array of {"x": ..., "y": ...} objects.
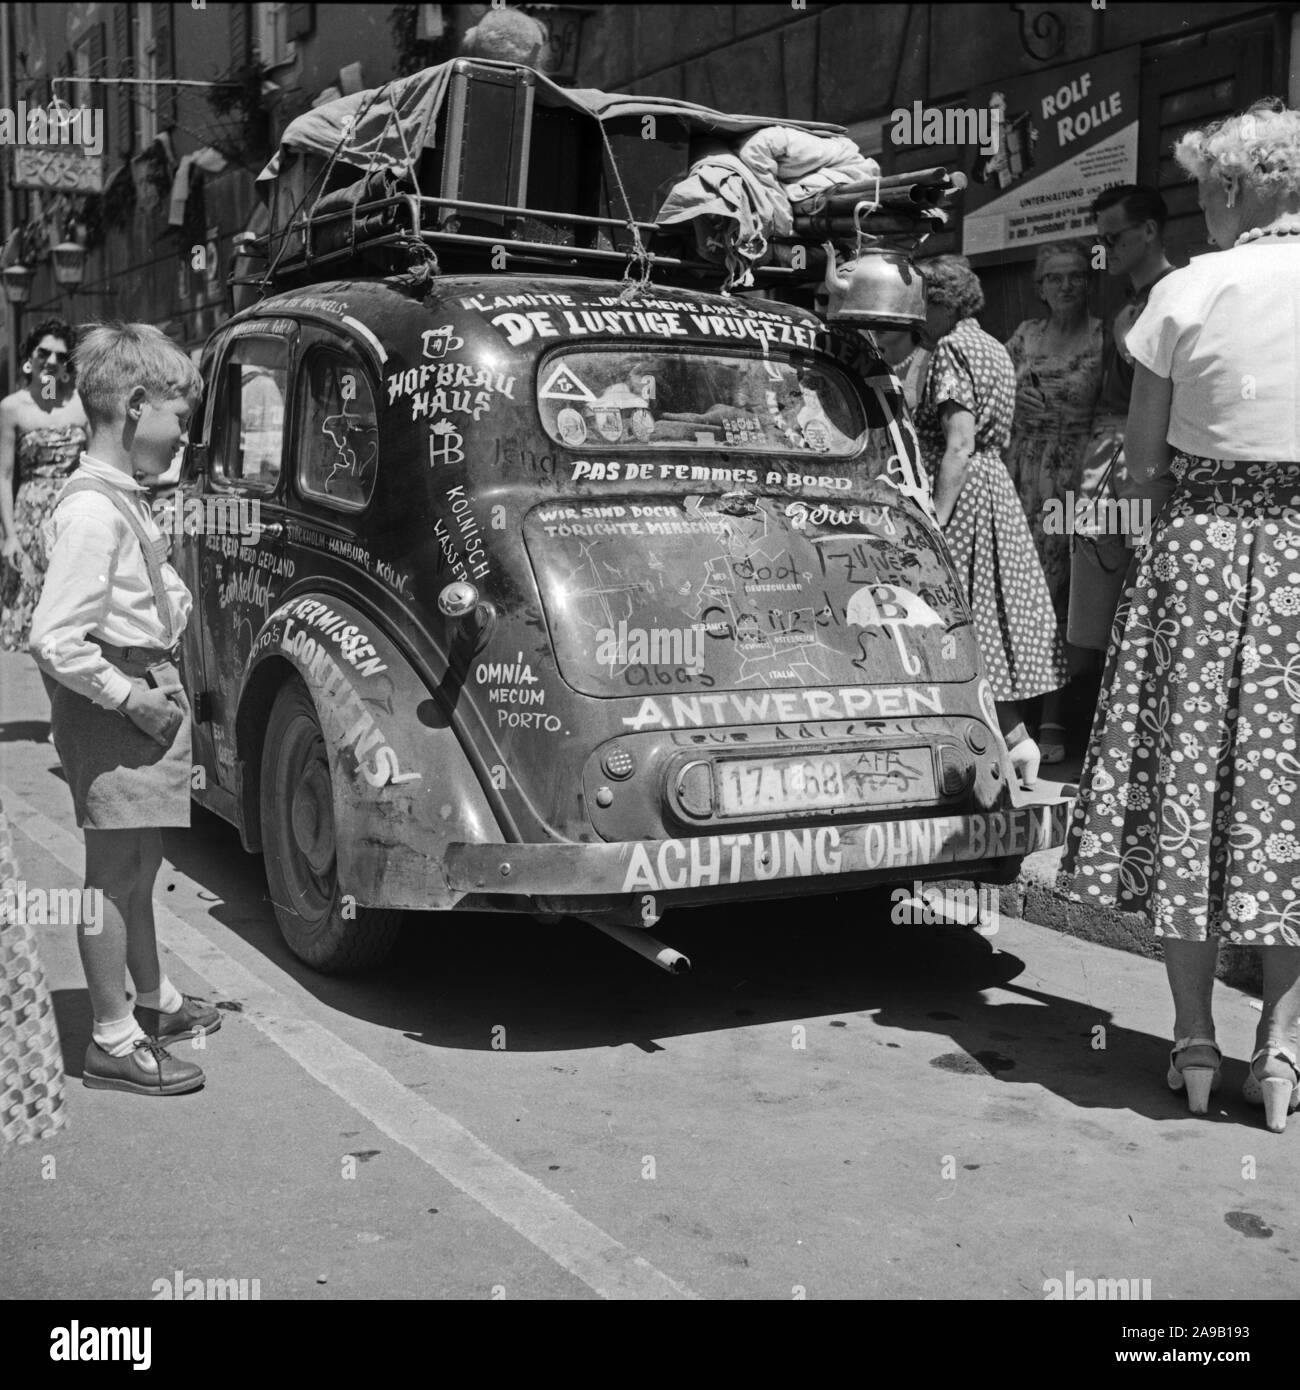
[{"x": 878, "y": 288}]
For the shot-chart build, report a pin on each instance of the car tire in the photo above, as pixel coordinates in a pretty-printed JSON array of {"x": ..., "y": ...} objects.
[{"x": 298, "y": 847}]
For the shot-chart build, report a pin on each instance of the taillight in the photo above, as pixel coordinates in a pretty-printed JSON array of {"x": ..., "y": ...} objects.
[
  {"x": 618, "y": 763},
  {"x": 695, "y": 790},
  {"x": 956, "y": 772}
]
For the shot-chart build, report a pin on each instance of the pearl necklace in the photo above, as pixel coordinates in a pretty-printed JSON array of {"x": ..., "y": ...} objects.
[{"x": 1255, "y": 233}]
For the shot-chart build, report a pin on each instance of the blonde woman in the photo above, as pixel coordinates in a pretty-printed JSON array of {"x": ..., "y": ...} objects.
[
  {"x": 1058, "y": 377},
  {"x": 1189, "y": 807}
]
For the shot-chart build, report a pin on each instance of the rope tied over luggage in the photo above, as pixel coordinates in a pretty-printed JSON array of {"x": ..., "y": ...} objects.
[
  {"x": 320, "y": 183},
  {"x": 631, "y": 287}
]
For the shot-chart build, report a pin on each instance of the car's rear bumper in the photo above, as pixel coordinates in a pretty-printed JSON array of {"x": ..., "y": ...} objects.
[{"x": 867, "y": 851}]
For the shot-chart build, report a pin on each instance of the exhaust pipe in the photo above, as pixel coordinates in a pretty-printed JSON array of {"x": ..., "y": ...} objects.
[{"x": 644, "y": 945}]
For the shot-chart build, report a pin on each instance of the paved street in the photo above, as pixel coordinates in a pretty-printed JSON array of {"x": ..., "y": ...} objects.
[{"x": 512, "y": 1110}]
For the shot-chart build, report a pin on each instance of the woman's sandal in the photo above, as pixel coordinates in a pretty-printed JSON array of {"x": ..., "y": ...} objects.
[
  {"x": 1025, "y": 756},
  {"x": 1051, "y": 743},
  {"x": 1278, "y": 1095},
  {"x": 1200, "y": 1080}
]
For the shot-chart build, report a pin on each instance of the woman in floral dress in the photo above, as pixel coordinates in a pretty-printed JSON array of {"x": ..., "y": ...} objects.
[
  {"x": 1189, "y": 810},
  {"x": 43, "y": 431},
  {"x": 1058, "y": 378},
  {"x": 963, "y": 420},
  {"x": 31, "y": 1062}
]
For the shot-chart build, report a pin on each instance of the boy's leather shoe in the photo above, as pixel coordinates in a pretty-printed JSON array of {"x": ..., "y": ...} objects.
[
  {"x": 149, "y": 1070},
  {"x": 193, "y": 1017}
]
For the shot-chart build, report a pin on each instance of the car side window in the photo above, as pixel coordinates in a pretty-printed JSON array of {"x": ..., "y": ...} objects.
[
  {"x": 338, "y": 430},
  {"x": 251, "y": 445}
]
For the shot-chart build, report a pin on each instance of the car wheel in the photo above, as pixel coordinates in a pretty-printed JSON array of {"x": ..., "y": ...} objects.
[{"x": 299, "y": 847}]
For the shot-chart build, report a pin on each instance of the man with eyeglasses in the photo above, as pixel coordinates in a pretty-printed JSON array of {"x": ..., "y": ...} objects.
[{"x": 1130, "y": 230}]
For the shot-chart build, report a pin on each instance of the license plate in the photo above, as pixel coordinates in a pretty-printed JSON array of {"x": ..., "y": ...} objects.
[{"x": 829, "y": 781}]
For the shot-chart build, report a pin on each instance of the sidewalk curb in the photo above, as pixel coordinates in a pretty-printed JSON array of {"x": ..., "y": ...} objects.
[{"x": 1035, "y": 898}]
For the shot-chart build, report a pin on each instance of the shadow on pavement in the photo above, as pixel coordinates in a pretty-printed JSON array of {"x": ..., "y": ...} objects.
[
  {"x": 25, "y": 731},
  {"x": 454, "y": 978},
  {"x": 74, "y": 1019}
]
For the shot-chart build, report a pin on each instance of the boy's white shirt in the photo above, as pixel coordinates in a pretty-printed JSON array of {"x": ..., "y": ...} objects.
[{"x": 97, "y": 585}]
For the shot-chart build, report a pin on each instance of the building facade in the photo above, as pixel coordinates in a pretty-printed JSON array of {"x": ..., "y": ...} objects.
[
  {"x": 194, "y": 97},
  {"x": 855, "y": 64}
]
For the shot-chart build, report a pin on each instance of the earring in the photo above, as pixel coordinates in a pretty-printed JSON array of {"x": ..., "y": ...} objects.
[{"x": 27, "y": 367}]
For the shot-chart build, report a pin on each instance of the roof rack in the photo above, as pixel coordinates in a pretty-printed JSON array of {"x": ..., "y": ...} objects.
[
  {"x": 396, "y": 232},
  {"x": 476, "y": 165}
]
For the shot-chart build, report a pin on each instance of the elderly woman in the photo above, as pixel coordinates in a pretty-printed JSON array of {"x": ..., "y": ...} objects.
[
  {"x": 1058, "y": 378},
  {"x": 964, "y": 421},
  {"x": 1190, "y": 797}
]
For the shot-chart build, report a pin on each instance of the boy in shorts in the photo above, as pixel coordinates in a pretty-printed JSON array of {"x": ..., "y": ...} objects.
[{"x": 105, "y": 636}]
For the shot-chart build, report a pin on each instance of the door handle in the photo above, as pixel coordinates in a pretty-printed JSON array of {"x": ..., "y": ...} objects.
[{"x": 274, "y": 529}]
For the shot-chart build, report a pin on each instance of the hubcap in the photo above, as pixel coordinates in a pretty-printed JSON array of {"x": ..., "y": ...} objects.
[{"x": 312, "y": 817}]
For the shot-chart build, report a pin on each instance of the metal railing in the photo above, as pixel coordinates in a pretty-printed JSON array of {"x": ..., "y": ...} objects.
[{"x": 400, "y": 220}]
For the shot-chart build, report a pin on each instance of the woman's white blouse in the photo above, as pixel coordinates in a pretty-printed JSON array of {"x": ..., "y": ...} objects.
[{"x": 1226, "y": 331}]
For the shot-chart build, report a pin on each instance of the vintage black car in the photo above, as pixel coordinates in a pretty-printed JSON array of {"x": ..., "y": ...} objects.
[
  {"x": 522, "y": 593},
  {"x": 525, "y": 587}
]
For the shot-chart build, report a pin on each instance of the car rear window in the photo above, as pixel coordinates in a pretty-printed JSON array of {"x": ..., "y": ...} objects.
[
  {"x": 649, "y": 595},
  {"x": 684, "y": 399}
]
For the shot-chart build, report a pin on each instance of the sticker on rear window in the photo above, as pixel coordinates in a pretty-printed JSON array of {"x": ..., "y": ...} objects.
[
  {"x": 563, "y": 385},
  {"x": 683, "y": 398}
]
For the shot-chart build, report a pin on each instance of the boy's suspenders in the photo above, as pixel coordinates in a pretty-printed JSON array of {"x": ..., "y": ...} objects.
[{"x": 152, "y": 557}]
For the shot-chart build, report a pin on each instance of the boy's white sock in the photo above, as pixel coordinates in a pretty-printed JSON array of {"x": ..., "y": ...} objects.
[
  {"x": 166, "y": 998},
  {"x": 118, "y": 1036}
]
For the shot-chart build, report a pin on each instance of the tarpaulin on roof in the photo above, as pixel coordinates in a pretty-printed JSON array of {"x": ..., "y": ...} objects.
[
  {"x": 387, "y": 127},
  {"x": 739, "y": 198}
]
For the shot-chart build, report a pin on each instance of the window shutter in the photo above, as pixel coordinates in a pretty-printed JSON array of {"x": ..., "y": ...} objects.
[
  {"x": 96, "y": 96},
  {"x": 239, "y": 35},
  {"x": 1182, "y": 91},
  {"x": 64, "y": 91},
  {"x": 164, "y": 97},
  {"x": 119, "y": 101},
  {"x": 302, "y": 21}
]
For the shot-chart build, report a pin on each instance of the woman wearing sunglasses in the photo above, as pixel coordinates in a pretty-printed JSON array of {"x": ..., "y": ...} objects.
[{"x": 42, "y": 432}]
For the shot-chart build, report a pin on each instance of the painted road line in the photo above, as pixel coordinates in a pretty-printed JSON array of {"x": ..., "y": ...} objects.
[{"x": 513, "y": 1196}]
